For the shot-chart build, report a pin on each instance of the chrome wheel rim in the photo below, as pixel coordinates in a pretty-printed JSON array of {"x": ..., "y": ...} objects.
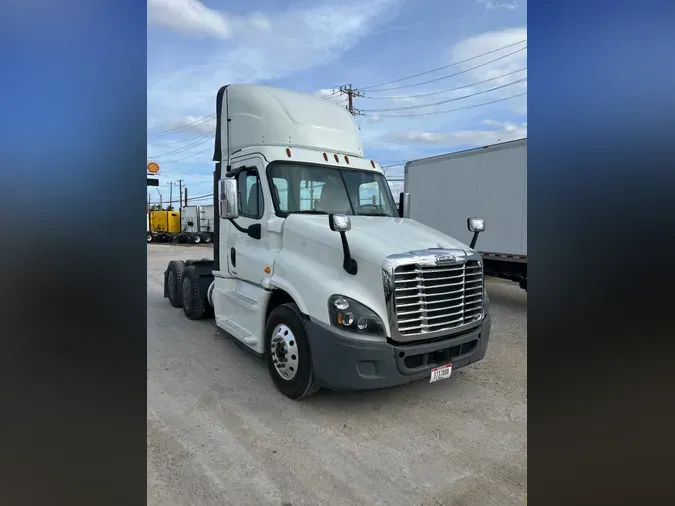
[{"x": 284, "y": 348}]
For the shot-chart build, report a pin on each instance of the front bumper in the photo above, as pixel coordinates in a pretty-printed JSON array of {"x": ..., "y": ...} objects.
[{"x": 343, "y": 363}]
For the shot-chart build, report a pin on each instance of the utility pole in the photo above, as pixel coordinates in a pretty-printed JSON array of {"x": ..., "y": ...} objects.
[
  {"x": 171, "y": 194},
  {"x": 351, "y": 93},
  {"x": 180, "y": 198}
]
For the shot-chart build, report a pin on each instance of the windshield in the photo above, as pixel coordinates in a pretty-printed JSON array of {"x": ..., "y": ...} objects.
[{"x": 306, "y": 188}]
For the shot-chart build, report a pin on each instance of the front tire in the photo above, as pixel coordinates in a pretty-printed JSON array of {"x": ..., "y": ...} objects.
[
  {"x": 149, "y": 237},
  {"x": 196, "y": 239},
  {"x": 287, "y": 353}
]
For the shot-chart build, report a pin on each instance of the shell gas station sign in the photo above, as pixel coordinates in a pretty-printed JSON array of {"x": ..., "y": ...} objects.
[{"x": 153, "y": 170}]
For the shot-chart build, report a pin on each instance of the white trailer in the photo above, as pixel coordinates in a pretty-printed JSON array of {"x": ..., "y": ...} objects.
[
  {"x": 313, "y": 267},
  {"x": 490, "y": 182}
]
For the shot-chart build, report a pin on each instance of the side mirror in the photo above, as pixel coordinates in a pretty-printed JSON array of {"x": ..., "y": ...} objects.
[
  {"x": 340, "y": 223},
  {"x": 229, "y": 199},
  {"x": 475, "y": 225},
  {"x": 404, "y": 205}
]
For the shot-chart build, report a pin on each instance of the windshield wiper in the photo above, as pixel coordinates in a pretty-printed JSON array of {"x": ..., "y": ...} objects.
[
  {"x": 375, "y": 214},
  {"x": 308, "y": 211}
]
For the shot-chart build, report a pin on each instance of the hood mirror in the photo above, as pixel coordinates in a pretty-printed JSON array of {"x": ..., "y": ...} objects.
[
  {"x": 475, "y": 225},
  {"x": 342, "y": 224}
]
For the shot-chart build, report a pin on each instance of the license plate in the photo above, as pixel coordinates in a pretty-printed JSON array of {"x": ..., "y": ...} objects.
[{"x": 440, "y": 373}]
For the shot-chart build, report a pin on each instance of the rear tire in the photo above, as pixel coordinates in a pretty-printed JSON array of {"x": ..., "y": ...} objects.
[
  {"x": 174, "y": 281},
  {"x": 194, "y": 301},
  {"x": 149, "y": 237},
  {"x": 290, "y": 349},
  {"x": 207, "y": 238}
]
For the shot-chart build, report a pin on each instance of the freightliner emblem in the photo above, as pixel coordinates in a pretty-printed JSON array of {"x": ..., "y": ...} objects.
[{"x": 446, "y": 260}]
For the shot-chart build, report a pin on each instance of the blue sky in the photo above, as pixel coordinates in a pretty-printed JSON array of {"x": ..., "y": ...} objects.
[{"x": 195, "y": 47}]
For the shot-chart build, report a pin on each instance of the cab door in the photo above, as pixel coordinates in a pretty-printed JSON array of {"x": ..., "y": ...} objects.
[{"x": 247, "y": 255}]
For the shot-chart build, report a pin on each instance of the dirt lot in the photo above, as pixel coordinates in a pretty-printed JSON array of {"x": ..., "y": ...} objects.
[{"x": 219, "y": 432}]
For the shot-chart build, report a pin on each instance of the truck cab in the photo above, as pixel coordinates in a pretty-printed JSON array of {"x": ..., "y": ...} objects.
[{"x": 314, "y": 267}]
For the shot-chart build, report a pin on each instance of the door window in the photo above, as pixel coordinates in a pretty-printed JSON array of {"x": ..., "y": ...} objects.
[{"x": 251, "y": 203}]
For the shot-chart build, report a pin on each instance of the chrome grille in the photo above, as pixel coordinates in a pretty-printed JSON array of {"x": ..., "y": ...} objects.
[{"x": 432, "y": 299}]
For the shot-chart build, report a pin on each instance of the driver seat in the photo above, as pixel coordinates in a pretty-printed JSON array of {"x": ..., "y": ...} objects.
[{"x": 333, "y": 199}]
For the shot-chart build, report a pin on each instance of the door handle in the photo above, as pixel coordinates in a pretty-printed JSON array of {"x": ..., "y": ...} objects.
[{"x": 233, "y": 257}]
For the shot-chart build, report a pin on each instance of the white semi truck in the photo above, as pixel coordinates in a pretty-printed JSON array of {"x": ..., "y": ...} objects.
[
  {"x": 314, "y": 268},
  {"x": 491, "y": 182},
  {"x": 197, "y": 223}
]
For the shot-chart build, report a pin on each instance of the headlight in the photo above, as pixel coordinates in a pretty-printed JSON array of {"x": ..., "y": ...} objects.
[{"x": 348, "y": 314}]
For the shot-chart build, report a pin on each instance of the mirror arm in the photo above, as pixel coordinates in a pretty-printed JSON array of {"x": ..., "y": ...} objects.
[
  {"x": 473, "y": 240},
  {"x": 348, "y": 264},
  {"x": 253, "y": 231},
  {"x": 237, "y": 226}
]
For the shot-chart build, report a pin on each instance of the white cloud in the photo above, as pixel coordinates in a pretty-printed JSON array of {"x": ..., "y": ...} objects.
[
  {"x": 485, "y": 42},
  {"x": 189, "y": 17},
  {"x": 299, "y": 39},
  {"x": 492, "y": 4},
  {"x": 505, "y": 131}
]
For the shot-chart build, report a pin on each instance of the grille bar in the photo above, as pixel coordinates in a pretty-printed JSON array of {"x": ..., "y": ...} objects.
[{"x": 432, "y": 299}]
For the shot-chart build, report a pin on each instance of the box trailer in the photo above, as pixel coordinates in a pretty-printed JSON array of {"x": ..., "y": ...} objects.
[
  {"x": 490, "y": 182},
  {"x": 197, "y": 223}
]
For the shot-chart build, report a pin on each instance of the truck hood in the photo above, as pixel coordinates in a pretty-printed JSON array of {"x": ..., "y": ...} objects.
[{"x": 373, "y": 238}]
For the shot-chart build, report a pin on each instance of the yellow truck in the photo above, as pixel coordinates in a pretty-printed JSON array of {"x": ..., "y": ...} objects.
[{"x": 163, "y": 225}]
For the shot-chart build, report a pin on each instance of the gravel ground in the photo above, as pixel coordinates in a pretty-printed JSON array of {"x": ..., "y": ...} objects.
[{"x": 220, "y": 433}]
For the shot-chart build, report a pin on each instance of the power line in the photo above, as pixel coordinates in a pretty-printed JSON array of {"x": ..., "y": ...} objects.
[
  {"x": 176, "y": 141},
  {"x": 450, "y": 75},
  {"x": 203, "y": 138},
  {"x": 407, "y": 108},
  {"x": 447, "y": 91},
  {"x": 181, "y": 127},
  {"x": 441, "y": 68},
  {"x": 448, "y": 110},
  {"x": 187, "y": 157},
  {"x": 200, "y": 197}
]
